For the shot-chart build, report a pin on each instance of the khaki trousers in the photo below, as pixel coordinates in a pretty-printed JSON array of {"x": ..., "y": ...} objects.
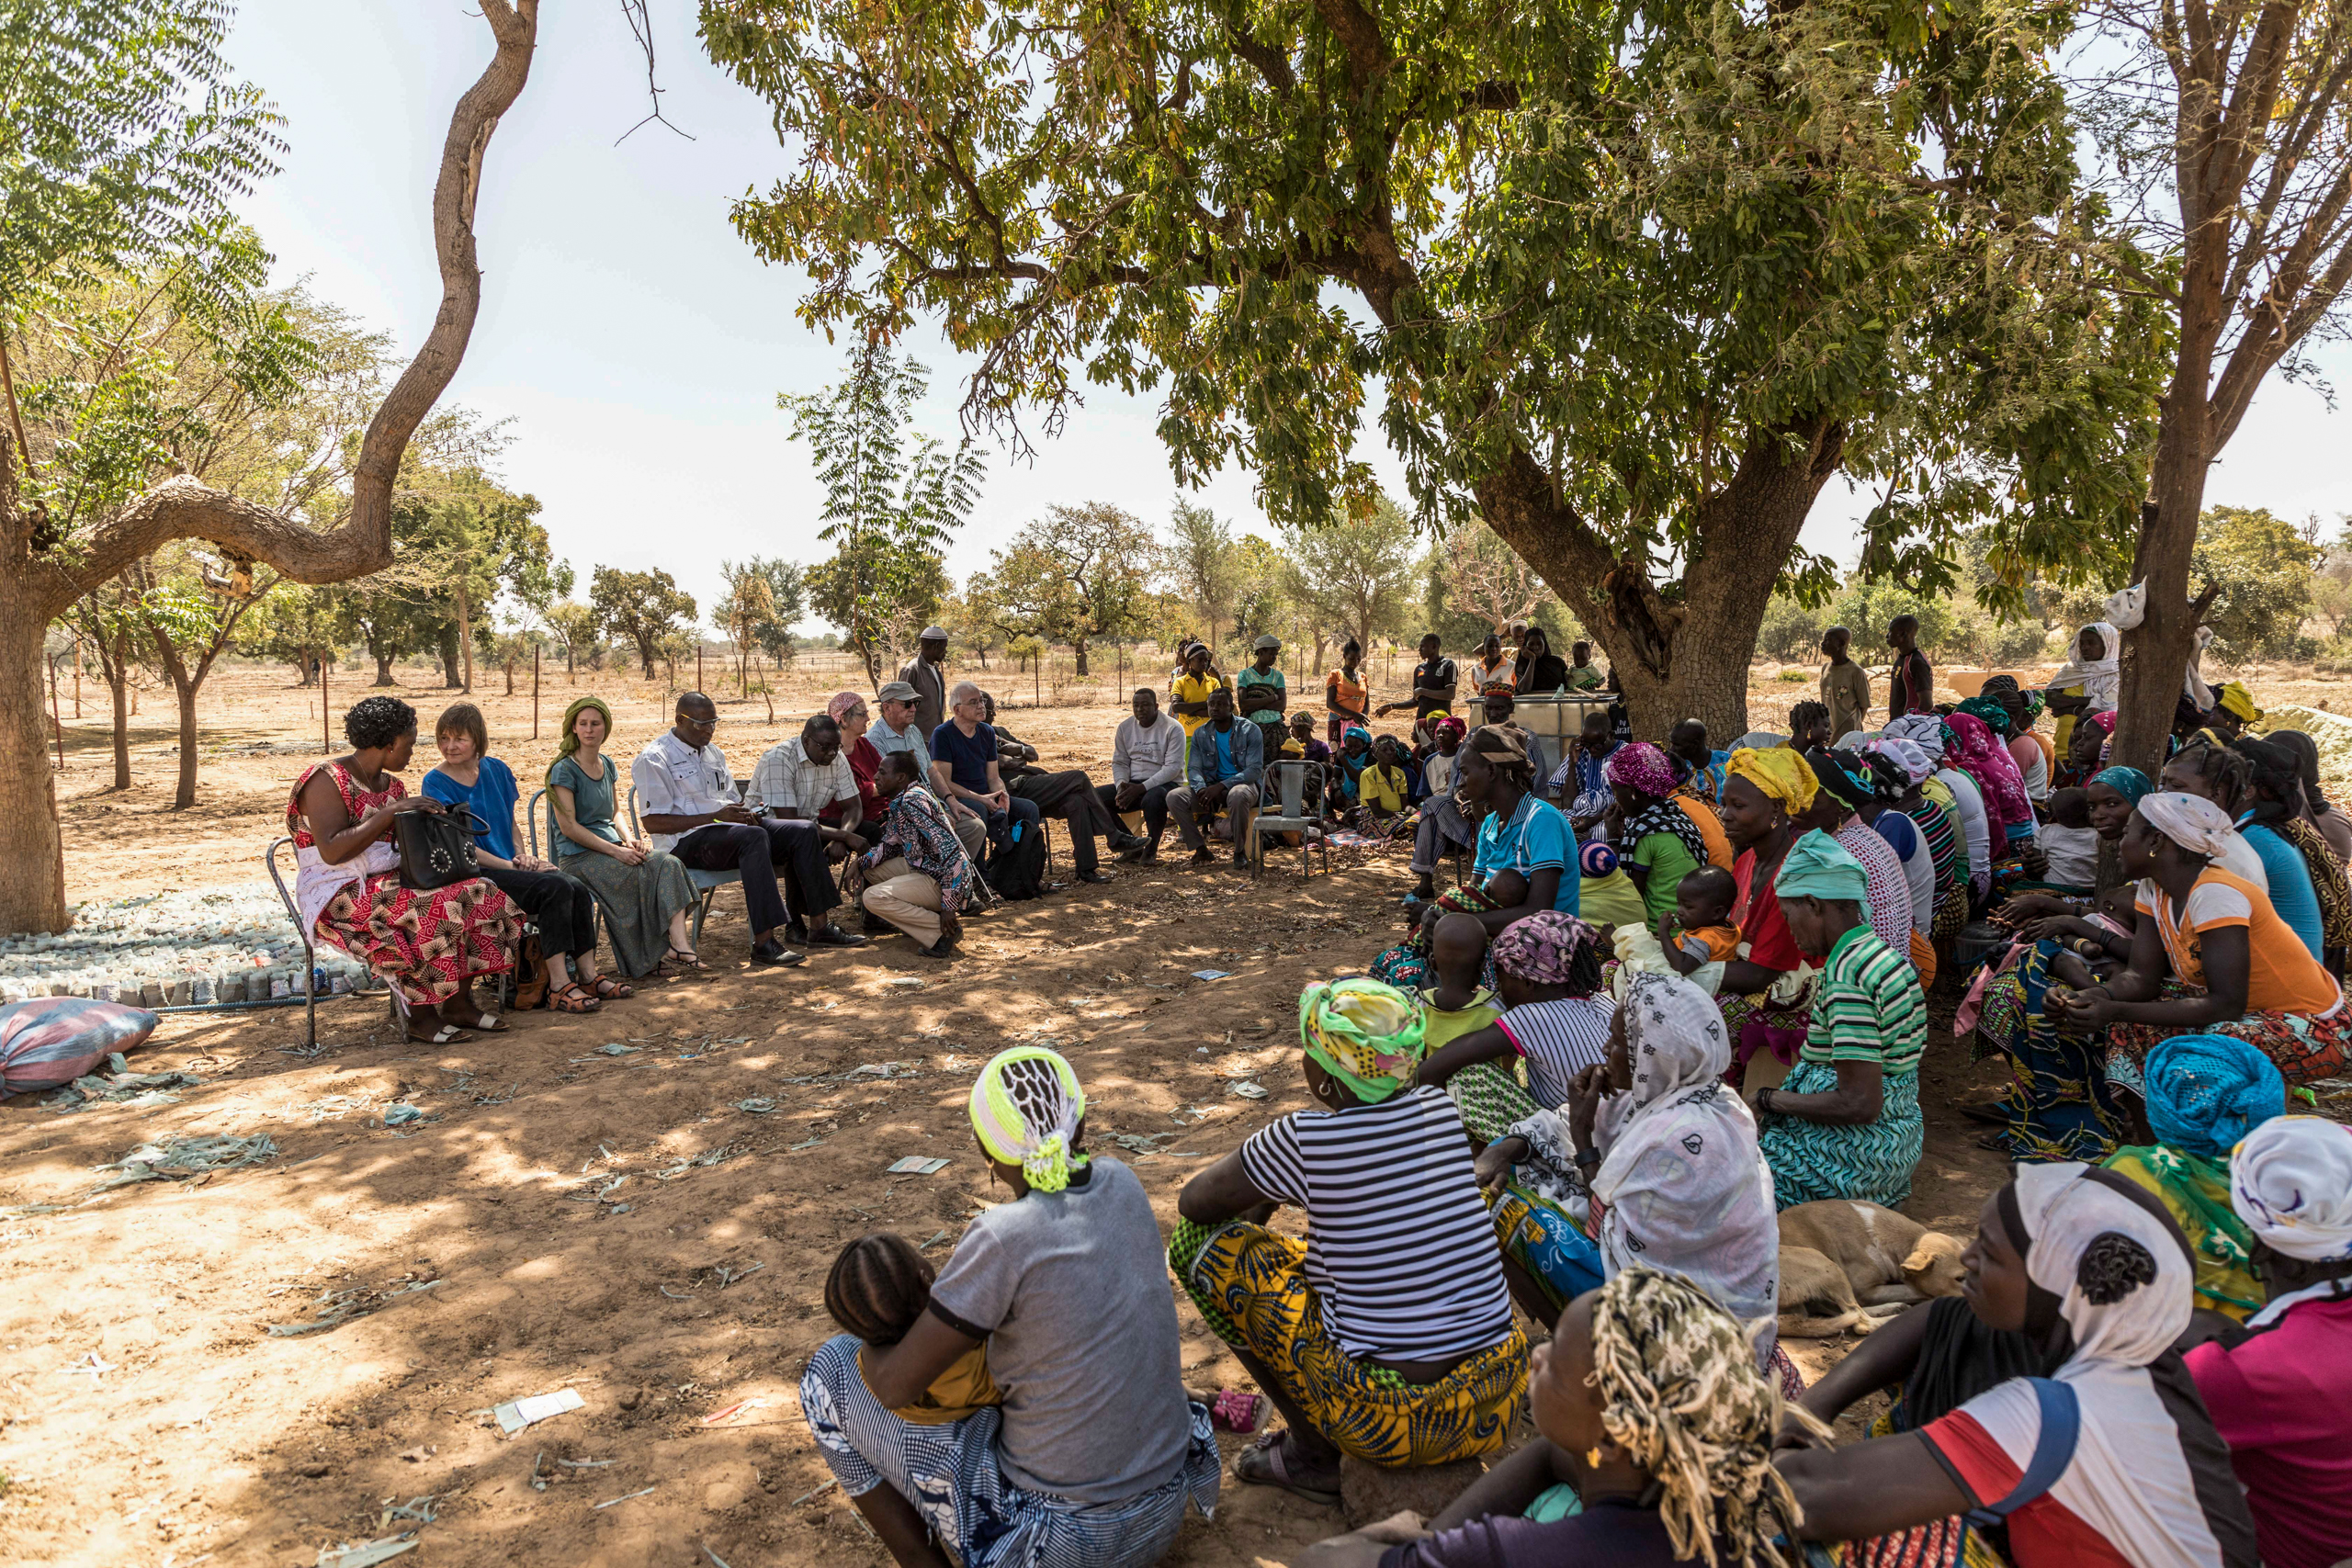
[{"x": 908, "y": 899}]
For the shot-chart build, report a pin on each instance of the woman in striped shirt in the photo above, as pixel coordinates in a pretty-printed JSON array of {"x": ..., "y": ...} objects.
[
  {"x": 1845, "y": 1123},
  {"x": 1386, "y": 1333}
]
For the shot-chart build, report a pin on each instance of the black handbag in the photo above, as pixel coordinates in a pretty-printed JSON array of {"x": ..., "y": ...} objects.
[{"x": 436, "y": 846}]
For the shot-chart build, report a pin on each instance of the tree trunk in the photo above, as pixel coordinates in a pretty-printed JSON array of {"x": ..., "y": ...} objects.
[
  {"x": 384, "y": 669},
  {"x": 32, "y": 861},
  {"x": 645, "y": 655},
  {"x": 184, "y": 796},
  {"x": 118, "y": 692},
  {"x": 466, "y": 635},
  {"x": 449, "y": 676},
  {"x": 510, "y": 677},
  {"x": 1078, "y": 646},
  {"x": 1685, "y": 658}
]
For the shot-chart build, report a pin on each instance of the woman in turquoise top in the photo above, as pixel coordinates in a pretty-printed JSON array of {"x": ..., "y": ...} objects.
[
  {"x": 1526, "y": 849},
  {"x": 644, "y": 892}
]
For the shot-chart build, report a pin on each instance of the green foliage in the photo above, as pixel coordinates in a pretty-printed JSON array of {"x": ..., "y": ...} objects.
[
  {"x": 1606, "y": 262},
  {"x": 1073, "y": 576},
  {"x": 889, "y": 513},
  {"x": 1355, "y": 571},
  {"x": 643, "y": 607},
  {"x": 293, "y": 623},
  {"x": 574, "y": 628},
  {"x": 2263, "y": 567},
  {"x": 1795, "y": 677},
  {"x": 1197, "y": 564}
]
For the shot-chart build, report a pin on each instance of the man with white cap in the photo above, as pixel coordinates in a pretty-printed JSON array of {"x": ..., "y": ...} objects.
[
  {"x": 926, "y": 673},
  {"x": 898, "y": 730},
  {"x": 2282, "y": 1396}
]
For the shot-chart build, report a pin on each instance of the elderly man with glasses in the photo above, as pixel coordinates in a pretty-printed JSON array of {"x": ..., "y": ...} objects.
[{"x": 686, "y": 803}]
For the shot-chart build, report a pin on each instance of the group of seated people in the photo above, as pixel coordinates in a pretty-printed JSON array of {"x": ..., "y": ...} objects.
[{"x": 2088, "y": 1398}]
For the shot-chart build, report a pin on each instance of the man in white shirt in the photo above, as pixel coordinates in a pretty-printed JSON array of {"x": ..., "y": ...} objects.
[
  {"x": 1146, "y": 761},
  {"x": 685, "y": 800},
  {"x": 901, "y": 729}
]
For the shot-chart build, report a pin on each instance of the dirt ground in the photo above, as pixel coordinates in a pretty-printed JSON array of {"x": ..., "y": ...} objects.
[{"x": 644, "y": 1241}]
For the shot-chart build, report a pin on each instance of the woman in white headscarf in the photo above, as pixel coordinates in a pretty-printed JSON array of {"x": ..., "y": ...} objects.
[
  {"x": 2282, "y": 1397},
  {"x": 2090, "y": 680},
  {"x": 2079, "y": 1283},
  {"x": 2240, "y": 969},
  {"x": 1668, "y": 1156}
]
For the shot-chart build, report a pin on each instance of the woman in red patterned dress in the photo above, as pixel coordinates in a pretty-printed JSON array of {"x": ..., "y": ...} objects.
[{"x": 428, "y": 946}]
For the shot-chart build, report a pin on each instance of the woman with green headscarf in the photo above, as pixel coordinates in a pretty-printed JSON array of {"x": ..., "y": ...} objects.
[
  {"x": 1093, "y": 1456},
  {"x": 643, "y": 891},
  {"x": 1387, "y": 1334}
]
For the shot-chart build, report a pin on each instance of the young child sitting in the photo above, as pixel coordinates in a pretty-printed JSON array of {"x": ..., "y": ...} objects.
[
  {"x": 1383, "y": 788},
  {"x": 878, "y": 1287},
  {"x": 1302, "y": 735},
  {"x": 1456, "y": 1004},
  {"x": 2070, "y": 841},
  {"x": 1699, "y": 932}
]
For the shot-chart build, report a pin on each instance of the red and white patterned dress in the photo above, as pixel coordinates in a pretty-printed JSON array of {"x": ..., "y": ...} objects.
[{"x": 423, "y": 945}]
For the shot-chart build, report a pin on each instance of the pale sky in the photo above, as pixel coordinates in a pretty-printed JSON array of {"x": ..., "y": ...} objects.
[{"x": 637, "y": 345}]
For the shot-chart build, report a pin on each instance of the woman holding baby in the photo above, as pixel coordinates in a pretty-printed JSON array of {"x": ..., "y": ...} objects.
[{"x": 1026, "y": 1406}]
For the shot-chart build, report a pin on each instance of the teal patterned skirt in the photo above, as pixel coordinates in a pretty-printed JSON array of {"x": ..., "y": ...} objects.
[{"x": 1872, "y": 1162}]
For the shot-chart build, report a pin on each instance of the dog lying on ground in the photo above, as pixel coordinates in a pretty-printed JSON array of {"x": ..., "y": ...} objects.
[{"x": 1845, "y": 1264}]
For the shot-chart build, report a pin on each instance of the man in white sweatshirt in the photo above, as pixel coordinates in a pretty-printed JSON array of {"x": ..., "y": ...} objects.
[{"x": 1146, "y": 761}]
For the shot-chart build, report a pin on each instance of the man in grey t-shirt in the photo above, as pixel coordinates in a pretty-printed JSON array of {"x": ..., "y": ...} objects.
[{"x": 1070, "y": 1289}]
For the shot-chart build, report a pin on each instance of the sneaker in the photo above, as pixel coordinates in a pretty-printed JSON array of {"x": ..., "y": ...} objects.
[{"x": 776, "y": 955}]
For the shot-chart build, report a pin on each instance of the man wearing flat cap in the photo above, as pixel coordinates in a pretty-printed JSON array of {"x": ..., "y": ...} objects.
[
  {"x": 898, "y": 730},
  {"x": 927, "y": 673}
]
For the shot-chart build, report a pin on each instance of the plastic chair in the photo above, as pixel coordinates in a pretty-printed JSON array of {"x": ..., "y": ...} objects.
[
  {"x": 1297, "y": 787},
  {"x": 706, "y": 883}
]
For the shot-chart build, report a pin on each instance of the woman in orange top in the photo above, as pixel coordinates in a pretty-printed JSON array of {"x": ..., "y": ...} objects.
[
  {"x": 1346, "y": 694},
  {"x": 2242, "y": 970}
]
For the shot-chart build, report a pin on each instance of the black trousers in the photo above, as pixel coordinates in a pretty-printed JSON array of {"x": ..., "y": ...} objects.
[
  {"x": 769, "y": 852},
  {"x": 561, "y": 906},
  {"x": 1154, "y": 809},
  {"x": 1070, "y": 795}
]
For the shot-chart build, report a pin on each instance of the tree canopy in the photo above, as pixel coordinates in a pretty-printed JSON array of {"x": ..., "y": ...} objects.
[{"x": 1635, "y": 282}]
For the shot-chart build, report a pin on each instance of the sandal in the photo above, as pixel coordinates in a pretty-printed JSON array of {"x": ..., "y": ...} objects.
[
  {"x": 447, "y": 1034},
  {"x": 570, "y": 998},
  {"x": 607, "y": 989},
  {"x": 679, "y": 958},
  {"x": 1270, "y": 1469},
  {"x": 1234, "y": 1410}
]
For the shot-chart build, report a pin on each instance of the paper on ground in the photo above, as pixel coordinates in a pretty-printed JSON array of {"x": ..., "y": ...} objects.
[{"x": 516, "y": 1414}]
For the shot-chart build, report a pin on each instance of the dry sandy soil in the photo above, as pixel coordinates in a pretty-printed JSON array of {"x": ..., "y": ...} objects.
[{"x": 638, "y": 1238}]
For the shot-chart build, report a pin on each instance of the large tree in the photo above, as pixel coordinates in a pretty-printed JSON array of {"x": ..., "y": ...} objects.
[
  {"x": 1355, "y": 573},
  {"x": 646, "y": 607},
  {"x": 2228, "y": 134},
  {"x": 1635, "y": 281},
  {"x": 1075, "y": 575},
  {"x": 127, "y": 142}
]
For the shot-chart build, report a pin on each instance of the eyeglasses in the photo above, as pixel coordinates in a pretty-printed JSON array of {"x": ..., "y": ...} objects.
[{"x": 710, "y": 723}]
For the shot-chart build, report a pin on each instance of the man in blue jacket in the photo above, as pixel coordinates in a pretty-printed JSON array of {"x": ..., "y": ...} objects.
[{"x": 1222, "y": 765}]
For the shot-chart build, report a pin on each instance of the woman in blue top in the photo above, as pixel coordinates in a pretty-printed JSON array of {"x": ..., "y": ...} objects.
[
  {"x": 1525, "y": 845},
  {"x": 561, "y": 906}
]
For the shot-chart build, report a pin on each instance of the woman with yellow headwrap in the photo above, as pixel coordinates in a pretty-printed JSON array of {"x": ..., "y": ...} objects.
[
  {"x": 1763, "y": 791},
  {"x": 1387, "y": 1334},
  {"x": 1095, "y": 1451},
  {"x": 643, "y": 891}
]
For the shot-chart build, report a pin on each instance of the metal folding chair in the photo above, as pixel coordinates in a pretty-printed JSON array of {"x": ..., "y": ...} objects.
[
  {"x": 310, "y": 953},
  {"x": 706, "y": 883},
  {"x": 1299, "y": 787}
]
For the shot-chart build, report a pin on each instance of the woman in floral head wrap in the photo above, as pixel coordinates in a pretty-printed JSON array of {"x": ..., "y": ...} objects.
[
  {"x": 1387, "y": 1334},
  {"x": 1665, "y": 841}
]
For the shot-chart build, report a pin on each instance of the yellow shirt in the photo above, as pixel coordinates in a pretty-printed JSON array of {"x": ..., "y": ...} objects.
[
  {"x": 1193, "y": 689},
  {"x": 1442, "y": 1026},
  {"x": 1381, "y": 787}
]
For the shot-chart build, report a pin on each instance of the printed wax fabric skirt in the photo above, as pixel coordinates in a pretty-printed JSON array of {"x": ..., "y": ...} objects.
[
  {"x": 1251, "y": 1286},
  {"x": 637, "y": 901},
  {"x": 1872, "y": 1162},
  {"x": 2058, "y": 1103},
  {"x": 1406, "y": 964},
  {"x": 425, "y": 944},
  {"x": 952, "y": 1476},
  {"x": 2304, "y": 1049}
]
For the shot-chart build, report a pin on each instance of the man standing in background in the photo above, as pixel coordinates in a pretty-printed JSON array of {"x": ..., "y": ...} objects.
[
  {"x": 1845, "y": 686},
  {"x": 926, "y": 673}
]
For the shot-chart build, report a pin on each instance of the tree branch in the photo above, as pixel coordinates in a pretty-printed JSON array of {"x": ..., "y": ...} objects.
[{"x": 183, "y": 508}]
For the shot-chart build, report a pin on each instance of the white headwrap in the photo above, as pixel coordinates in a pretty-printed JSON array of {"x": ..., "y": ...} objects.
[
  {"x": 2291, "y": 1181},
  {"x": 1907, "y": 755},
  {"x": 2191, "y": 821},
  {"x": 1686, "y": 1190},
  {"x": 2099, "y": 678},
  {"x": 1924, "y": 730},
  {"x": 2119, "y": 1268}
]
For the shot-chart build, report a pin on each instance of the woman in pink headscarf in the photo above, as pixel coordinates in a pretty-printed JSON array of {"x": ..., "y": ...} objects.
[
  {"x": 1974, "y": 752},
  {"x": 848, "y": 710}
]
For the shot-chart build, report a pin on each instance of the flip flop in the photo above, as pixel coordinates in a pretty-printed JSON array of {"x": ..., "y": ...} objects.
[
  {"x": 1270, "y": 1469},
  {"x": 1234, "y": 1410},
  {"x": 447, "y": 1034}
]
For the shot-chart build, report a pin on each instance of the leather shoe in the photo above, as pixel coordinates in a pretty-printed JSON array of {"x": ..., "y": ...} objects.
[
  {"x": 776, "y": 955},
  {"x": 832, "y": 935},
  {"x": 1127, "y": 843},
  {"x": 1091, "y": 874}
]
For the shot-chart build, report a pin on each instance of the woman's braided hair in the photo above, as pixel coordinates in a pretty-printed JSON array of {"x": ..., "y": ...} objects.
[
  {"x": 2227, "y": 772},
  {"x": 1680, "y": 1394},
  {"x": 378, "y": 722}
]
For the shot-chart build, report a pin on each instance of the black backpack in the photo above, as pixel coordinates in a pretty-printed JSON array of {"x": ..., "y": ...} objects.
[{"x": 1016, "y": 867}]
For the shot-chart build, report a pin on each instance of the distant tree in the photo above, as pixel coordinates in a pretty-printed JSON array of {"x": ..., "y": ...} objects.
[
  {"x": 293, "y": 625},
  {"x": 749, "y": 604},
  {"x": 970, "y": 615},
  {"x": 646, "y": 607},
  {"x": 1357, "y": 571},
  {"x": 1261, "y": 604},
  {"x": 2263, "y": 568},
  {"x": 1198, "y": 562},
  {"x": 573, "y": 625},
  {"x": 1075, "y": 575},
  {"x": 889, "y": 511},
  {"x": 788, "y": 603}
]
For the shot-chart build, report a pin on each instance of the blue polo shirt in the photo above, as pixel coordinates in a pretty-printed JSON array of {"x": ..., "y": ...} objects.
[{"x": 1537, "y": 836}]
